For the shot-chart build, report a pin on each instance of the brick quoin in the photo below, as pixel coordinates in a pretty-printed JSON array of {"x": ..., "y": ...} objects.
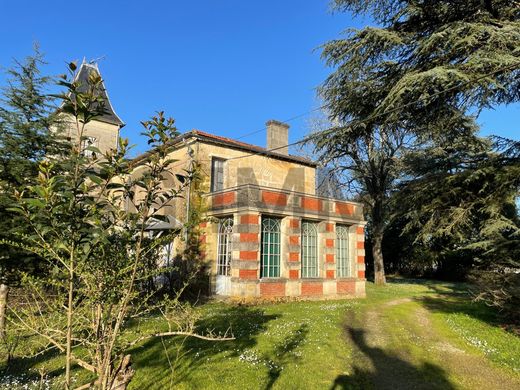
[
  {"x": 360, "y": 245},
  {"x": 248, "y": 237},
  {"x": 346, "y": 287},
  {"x": 248, "y": 255},
  {"x": 294, "y": 256},
  {"x": 274, "y": 198},
  {"x": 249, "y": 219},
  {"x": 361, "y": 274},
  {"x": 329, "y": 227},
  {"x": 294, "y": 274},
  {"x": 247, "y": 274},
  {"x": 360, "y": 230},
  {"x": 202, "y": 239},
  {"x": 202, "y": 225},
  {"x": 311, "y": 204},
  {"x": 226, "y": 198},
  {"x": 329, "y": 242},
  {"x": 294, "y": 223},
  {"x": 329, "y": 258},
  {"x": 361, "y": 259},
  {"x": 330, "y": 274},
  {"x": 272, "y": 289},
  {"x": 310, "y": 288},
  {"x": 294, "y": 240},
  {"x": 344, "y": 208}
]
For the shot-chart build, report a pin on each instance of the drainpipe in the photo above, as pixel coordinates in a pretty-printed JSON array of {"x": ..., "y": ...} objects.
[{"x": 188, "y": 200}]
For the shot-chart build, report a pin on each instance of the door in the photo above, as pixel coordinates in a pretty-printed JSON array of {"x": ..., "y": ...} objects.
[{"x": 225, "y": 230}]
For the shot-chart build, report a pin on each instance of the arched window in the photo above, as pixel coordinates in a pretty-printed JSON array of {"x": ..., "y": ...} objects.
[
  {"x": 342, "y": 260},
  {"x": 309, "y": 250},
  {"x": 225, "y": 229},
  {"x": 270, "y": 267}
]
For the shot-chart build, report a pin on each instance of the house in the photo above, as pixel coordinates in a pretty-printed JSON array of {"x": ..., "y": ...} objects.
[{"x": 267, "y": 233}]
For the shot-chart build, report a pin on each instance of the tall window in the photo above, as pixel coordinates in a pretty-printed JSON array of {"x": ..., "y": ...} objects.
[
  {"x": 217, "y": 174},
  {"x": 309, "y": 250},
  {"x": 342, "y": 261},
  {"x": 270, "y": 267},
  {"x": 225, "y": 228}
]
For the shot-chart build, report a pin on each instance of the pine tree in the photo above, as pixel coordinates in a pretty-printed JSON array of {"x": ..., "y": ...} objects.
[
  {"x": 27, "y": 115},
  {"x": 424, "y": 72}
]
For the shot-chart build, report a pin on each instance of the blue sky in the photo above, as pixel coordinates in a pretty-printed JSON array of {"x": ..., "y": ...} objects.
[{"x": 223, "y": 67}]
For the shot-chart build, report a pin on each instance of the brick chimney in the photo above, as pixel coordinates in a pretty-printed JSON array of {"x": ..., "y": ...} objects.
[{"x": 277, "y": 136}]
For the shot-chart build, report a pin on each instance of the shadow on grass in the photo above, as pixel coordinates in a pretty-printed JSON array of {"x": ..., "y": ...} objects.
[
  {"x": 284, "y": 354},
  {"x": 449, "y": 297},
  {"x": 189, "y": 353},
  {"x": 455, "y": 298},
  {"x": 389, "y": 371}
]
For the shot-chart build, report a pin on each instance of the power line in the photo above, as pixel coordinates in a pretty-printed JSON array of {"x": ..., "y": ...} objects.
[
  {"x": 284, "y": 121},
  {"x": 374, "y": 116}
]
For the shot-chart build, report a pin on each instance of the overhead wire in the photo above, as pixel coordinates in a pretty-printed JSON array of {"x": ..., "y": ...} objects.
[{"x": 371, "y": 117}]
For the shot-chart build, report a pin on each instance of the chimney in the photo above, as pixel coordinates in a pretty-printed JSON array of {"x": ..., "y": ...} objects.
[{"x": 277, "y": 136}]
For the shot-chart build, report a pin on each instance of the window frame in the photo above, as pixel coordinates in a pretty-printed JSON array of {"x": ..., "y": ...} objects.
[
  {"x": 213, "y": 184},
  {"x": 87, "y": 142},
  {"x": 224, "y": 237},
  {"x": 309, "y": 250},
  {"x": 343, "y": 263},
  {"x": 270, "y": 260}
]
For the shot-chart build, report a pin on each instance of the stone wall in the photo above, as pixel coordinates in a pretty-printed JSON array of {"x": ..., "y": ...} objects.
[{"x": 106, "y": 134}]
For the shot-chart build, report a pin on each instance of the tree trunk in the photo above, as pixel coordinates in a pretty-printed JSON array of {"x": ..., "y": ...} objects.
[
  {"x": 4, "y": 291},
  {"x": 124, "y": 374},
  {"x": 378, "y": 228},
  {"x": 377, "y": 254}
]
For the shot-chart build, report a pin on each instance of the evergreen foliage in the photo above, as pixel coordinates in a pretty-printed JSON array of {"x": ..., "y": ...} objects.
[
  {"x": 27, "y": 114},
  {"x": 422, "y": 75}
]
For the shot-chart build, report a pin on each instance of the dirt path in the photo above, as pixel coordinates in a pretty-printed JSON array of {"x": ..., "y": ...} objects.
[{"x": 405, "y": 351}]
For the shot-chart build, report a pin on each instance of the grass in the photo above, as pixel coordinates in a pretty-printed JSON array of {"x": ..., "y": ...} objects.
[{"x": 408, "y": 334}]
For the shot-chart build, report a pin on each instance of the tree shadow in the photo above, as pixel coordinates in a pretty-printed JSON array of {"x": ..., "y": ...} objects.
[
  {"x": 244, "y": 322},
  {"x": 457, "y": 298},
  {"x": 284, "y": 354},
  {"x": 449, "y": 297},
  {"x": 389, "y": 371}
]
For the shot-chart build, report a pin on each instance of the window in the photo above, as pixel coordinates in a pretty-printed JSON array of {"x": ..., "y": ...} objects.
[
  {"x": 270, "y": 267},
  {"x": 225, "y": 229},
  {"x": 342, "y": 261},
  {"x": 309, "y": 250},
  {"x": 217, "y": 174},
  {"x": 87, "y": 142}
]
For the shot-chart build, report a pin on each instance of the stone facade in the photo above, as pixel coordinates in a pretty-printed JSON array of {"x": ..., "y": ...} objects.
[
  {"x": 248, "y": 203},
  {"x": 258, "y": 186}
]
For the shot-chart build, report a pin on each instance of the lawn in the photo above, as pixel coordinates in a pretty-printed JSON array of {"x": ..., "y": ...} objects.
[{"x": 409, "y": 334}]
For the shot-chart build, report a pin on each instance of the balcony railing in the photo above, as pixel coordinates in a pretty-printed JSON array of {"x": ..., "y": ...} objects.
[{"x": 282, "y": 202}]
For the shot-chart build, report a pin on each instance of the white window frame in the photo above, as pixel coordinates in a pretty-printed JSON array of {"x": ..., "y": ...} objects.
[
  {"x": 309, "y": 250},
  {"x": 86, "y": 142},
  {"x": 225, "y": 230},
  {"x": 343, "y": 266}
]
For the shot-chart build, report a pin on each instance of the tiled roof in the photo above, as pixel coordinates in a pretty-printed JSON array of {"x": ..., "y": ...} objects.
[{"x": 254, "y": 149}]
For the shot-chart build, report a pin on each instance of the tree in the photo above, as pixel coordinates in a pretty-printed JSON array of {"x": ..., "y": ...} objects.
[
  {"x": 467, "y": 195},
  {"x": 90, "y": 222},
  {"x": 27, "y": 114},
  {"x": 427, "y": 70}
]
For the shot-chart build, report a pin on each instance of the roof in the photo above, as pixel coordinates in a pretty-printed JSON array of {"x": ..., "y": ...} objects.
[
  {"x": 231, "y": 143},
  {"x": 109, "y": 115}
]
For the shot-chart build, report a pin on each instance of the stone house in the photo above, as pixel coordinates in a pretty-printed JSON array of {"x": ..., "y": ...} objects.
[{"x": 267, "y": 233}]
